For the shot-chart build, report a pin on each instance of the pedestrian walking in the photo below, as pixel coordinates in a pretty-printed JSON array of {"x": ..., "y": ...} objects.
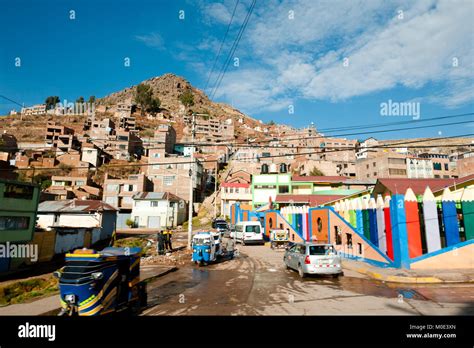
[{"x": 160, "y": 243}]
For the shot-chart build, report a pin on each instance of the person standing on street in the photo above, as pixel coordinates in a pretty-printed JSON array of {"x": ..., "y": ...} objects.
[
  {"x": 168, "y": 235},
  {"x": 160, "y": 239}
]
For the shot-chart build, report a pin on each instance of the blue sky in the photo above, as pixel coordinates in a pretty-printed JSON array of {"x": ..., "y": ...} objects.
[{"x": 291, "y": 54}]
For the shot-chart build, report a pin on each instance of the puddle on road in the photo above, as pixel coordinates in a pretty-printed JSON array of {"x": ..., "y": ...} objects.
[{"x": 363, "y": 286}]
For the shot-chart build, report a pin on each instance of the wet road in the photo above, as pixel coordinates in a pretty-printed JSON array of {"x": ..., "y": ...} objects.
[{"x": 257, "y": 283}]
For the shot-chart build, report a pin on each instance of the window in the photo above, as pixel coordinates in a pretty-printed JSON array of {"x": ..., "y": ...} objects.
[
  {"x": 80, "y": 183},
  {"x": 396, "y": 161},
  {"x": 18, "y": 191},
  {"x": 293, "y": 249},
  {"x": 112, "y": 201},
  {"x": 168, "y": 180},
  {"x": 156, "y": 155},
  {"x": 284, "y": 189},
  {"x": 359, "y": 248},
  {"x": 321, "y": 249},
  {"x": 252, "y": 229},
  {"x": 14, "y": 223},
  {"x": 127, "y": 200},
  {"x": 337, "y": 232},
  {"x": 153, "y": 203},
  {"x": 446, "y": 167},
  {"x": 349, "y": 240},
  {"x": 320, "y": 224},
  {"x": 436, "y": 166},
  {"x": 395, "y": 171},
  {"x": 374, "y": 164},
  {"x": 113, "y": 187},
  {"x": 375, "y": 173}
]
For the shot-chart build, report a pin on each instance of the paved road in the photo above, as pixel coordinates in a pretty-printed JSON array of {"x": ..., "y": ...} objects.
[{"x": 257, "y": 283}]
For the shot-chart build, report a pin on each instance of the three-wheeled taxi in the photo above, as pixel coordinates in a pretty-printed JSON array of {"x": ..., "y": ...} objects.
[
  {"x": 205, "y": 248},
  {"x": 279, "y": 238},
  {"x": 208, "y": 246},
  {"x": 98, "y": 283}
]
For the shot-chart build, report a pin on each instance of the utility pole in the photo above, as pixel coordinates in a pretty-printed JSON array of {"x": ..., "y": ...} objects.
[
  {"x": 191, "y": 173},
  {"x": 215, "y": 190}
]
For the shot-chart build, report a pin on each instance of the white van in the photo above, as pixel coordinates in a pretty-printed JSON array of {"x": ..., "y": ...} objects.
[{"x": 247, "y": 232}]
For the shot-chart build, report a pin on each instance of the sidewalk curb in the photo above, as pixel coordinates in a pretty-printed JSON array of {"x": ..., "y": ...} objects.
[
  {"x": 404, "y": 279},
  {"x": 170, "y": 270}
]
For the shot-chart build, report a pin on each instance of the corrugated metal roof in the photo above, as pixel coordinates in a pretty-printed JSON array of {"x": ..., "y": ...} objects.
[{"x": 74, "y": 206}]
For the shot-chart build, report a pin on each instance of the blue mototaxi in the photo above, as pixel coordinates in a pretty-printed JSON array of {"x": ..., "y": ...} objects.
[
  {"x": 98, "y": 283},
  {"x": 207, "y": 247}
]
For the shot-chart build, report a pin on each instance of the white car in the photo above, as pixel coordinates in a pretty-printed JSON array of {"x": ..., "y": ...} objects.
[
  {"x": 248, "y": 232},
  {"x": 313, "y": 258}
]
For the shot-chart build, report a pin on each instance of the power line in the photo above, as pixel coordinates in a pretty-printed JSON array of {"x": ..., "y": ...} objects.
[
  {"x": 11, "y": 100},
  {"x": 233, "y": 49},
  {"x": 227, "y": 142},
  {"x": 368, "y": 132},
  {"x": 222, "y": 44},
  {"x": 377, "y": 125},
  {"x": 255, "y": 144},
  {"x": 200, "y": 161}
]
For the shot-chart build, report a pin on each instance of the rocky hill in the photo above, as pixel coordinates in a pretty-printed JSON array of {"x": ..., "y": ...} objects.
[{"x": 168, "y": 88}]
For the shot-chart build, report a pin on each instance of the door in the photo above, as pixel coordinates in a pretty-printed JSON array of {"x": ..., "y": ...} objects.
[
  {"x": 239, "y": 232},
  {"x": 153, "y": 222},
  {"x": 291, "y": 256}
]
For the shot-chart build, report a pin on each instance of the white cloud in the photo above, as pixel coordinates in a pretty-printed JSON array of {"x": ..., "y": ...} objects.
[
  {"x": 303, "y": 57},
  {"x": 250, "y": 89},
  {"x": 153, "y": 40}
]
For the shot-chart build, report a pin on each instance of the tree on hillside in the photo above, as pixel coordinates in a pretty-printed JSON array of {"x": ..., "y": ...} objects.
[
  {"x": 316, "y": 172},
  {"x": 144, "y": 98},
  {"x": 187, "y": 98},
  {"x": 92, "y": 99},
  {"x": 80, "y": 100},
  {"x": 51, "y": 102},
  {"x": 271, "y": 123},
  {"x": 155, "y": 106}
]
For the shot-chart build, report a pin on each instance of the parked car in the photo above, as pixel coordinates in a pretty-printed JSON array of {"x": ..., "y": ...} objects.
[
  {"x": 248, "y": 232},
  {"x": 217, "y": 221},
  {"x": 222, "y": 227},
  {"x": 313, "y": 258}
]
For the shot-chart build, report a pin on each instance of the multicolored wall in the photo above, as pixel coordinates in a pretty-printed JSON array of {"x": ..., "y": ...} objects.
[{"x": 403, "y": 231}]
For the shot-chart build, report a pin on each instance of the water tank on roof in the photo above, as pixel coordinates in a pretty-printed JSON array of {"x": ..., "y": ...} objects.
[
  {"x": 283, "y": 168},
  {"x": 264, "y": 169}
]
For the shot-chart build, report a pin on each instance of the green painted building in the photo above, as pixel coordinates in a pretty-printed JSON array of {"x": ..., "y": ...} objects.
[
  {"x": 268, "y": 186},
  {"x": 18, "y": 209}
]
